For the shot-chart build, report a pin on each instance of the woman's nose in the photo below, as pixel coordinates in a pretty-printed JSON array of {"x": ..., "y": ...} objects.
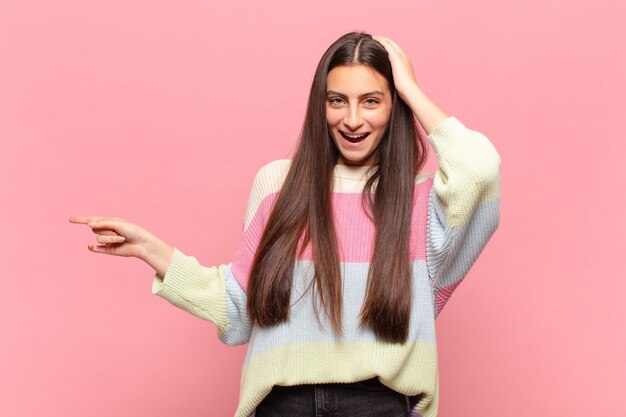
[{"x": 353, "y": 119}]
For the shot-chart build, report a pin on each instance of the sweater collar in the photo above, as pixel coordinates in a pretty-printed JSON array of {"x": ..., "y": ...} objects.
[{"x": 352, "y": 172}]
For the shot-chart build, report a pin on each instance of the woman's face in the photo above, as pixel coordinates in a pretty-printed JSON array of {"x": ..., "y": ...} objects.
[{"x": 358, "y": 106}]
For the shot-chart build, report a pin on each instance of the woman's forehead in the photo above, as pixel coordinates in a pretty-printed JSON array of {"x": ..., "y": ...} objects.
[{"x": 355, "y": 79}]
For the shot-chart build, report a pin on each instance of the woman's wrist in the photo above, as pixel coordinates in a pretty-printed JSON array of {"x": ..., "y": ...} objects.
[{"x": 158, "y": 255}]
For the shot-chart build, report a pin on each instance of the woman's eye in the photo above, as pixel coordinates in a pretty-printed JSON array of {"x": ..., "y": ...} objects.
[
  {"x": 371, "y": 101},
  {"x": 335, "y": 100}
]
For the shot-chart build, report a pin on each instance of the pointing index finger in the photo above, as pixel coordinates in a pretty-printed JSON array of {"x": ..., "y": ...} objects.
[
  {"x": 84, "y": 219},
  {"x": 89, "y": 219}
]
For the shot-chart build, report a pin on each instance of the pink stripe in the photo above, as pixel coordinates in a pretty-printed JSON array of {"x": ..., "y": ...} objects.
[
  {"x": 242, "y": 263},
  {"x": 442, "y": 295},
  {"x": 353, "y": 228}
]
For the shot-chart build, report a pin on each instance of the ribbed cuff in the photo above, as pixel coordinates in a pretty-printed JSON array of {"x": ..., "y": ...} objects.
[
  {"x": 169, "y": 286},
  {"x": 446, "y": 133}
]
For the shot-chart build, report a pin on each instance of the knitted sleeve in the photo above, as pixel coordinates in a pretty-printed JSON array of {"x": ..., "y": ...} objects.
[
  {"x": 218, "y": 293},
  {"x": 463, "y": 205}
]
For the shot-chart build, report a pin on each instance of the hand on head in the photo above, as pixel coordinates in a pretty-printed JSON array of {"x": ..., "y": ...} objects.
[{"x": 403, "y": 75}]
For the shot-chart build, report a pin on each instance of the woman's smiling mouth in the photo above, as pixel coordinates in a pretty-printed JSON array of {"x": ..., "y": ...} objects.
[{"x": 354, "y": 138}]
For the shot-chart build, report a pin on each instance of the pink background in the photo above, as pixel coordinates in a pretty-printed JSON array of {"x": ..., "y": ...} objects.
[{"x": 162, "y": 111}]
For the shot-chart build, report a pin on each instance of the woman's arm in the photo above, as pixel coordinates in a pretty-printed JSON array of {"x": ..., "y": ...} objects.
[
  {"x": 464, "y": 201},
  {"x": 209, "y": 293},
  {"x": 216, "y": 293}
]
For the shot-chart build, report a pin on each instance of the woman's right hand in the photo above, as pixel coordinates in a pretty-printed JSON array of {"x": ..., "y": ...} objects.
[{"x": 120, "y": 237}]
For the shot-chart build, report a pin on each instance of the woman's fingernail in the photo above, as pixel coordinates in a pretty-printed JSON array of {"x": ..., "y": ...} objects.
[{"x": 92, "y": 224}]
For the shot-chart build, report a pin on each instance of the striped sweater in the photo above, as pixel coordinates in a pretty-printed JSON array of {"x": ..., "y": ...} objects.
[{"x": 456, "y": 211}]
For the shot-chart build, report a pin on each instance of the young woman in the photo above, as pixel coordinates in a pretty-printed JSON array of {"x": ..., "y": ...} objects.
[{"x": 349, "y": 226}]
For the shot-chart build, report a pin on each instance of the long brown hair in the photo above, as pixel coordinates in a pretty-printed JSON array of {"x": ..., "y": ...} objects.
[{"x": 303, "y": 209}]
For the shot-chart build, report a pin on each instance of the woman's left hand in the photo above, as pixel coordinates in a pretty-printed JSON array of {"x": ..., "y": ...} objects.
[{"x": 403, "y": 75}]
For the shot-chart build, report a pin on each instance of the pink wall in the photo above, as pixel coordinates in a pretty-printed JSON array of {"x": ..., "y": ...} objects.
[{"x": 162, "y": 111}]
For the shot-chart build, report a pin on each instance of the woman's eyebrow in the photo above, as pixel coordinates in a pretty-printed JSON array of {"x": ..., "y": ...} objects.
[{"x": 371, "y": 93}]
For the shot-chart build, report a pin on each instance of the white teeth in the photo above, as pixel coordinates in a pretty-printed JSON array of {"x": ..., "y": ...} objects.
[{"x": 355, "y": 136}]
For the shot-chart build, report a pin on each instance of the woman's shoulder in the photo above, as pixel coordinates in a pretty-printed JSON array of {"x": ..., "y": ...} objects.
[
  {"x": 267, "y": 182},
  {"x": 277, "y": 166},
  {"x": 273, "y": 173},
  {"x": 270, "y": 178}
]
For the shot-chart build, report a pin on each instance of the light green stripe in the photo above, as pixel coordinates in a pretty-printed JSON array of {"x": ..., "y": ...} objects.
[
  {"x": 469, "y": 170},
  {"x": 409, "y": 368}
]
